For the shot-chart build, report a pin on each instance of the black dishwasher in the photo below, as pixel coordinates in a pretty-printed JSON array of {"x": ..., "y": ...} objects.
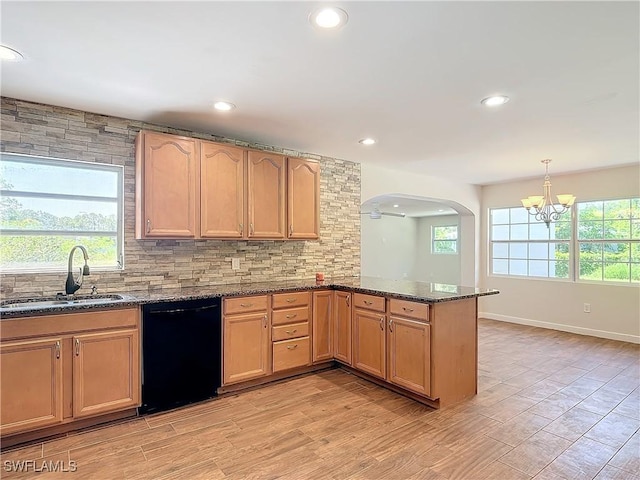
[{"x": 181, "y": 353}]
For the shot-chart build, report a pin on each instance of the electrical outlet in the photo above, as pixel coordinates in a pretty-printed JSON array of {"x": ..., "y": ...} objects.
[
  {"x": 587, "y": 308},
  {"x": 235, "y": 264}
]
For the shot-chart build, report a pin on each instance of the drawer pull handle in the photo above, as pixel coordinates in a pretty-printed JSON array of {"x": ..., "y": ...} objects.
[
  {"x": 391, "y": 325},
  {"x": 291, "y": 315},
  {"x": 291, "y": 300},
  {"x": 407, "y": 309},
  {"x": 246, "y": 305},
  {"x": 77, "y": 347},
  {"x": 58, "y": 349},
  {"x": 148, "y": 225},
  {"x": 264, "y": 321},
  {"x": 382, "y": 323},
  {"x": 241, "y": 228},
  {"x": 348, "y": 300},
  {"x": 367, "y": 302},
  {"x": 291, "y": 347},
  {"x": 291, "y": 332}
]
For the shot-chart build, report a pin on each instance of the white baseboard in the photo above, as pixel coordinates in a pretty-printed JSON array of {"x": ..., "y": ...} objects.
[{"x": 563, "y": 328}]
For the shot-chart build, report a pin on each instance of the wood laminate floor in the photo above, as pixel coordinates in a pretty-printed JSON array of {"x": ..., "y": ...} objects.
[{"x": 551, "y": 405}]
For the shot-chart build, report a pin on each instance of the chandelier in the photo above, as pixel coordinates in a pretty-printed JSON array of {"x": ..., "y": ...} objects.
[{"x": 543, "y": 207}]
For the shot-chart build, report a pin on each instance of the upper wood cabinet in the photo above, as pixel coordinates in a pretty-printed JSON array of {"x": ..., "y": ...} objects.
[
  {"x": 222, "y": 197},
  {"x": 167, "y": 190},
  {"x": 266, "y": 195},
  {"x": 303, "y": 198},
  {"x": 190, "y": 188}
]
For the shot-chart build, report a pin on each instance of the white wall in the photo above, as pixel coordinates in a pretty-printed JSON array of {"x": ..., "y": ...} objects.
[
  {"x": 383, "y": 181},
  {"x": 388, "y": 247},
  {"x": 615, "y": 309},
  {"x": 430, "y": 267}
]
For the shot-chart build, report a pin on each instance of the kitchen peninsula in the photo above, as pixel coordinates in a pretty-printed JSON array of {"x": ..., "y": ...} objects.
[{"x": 418, "y": 339}]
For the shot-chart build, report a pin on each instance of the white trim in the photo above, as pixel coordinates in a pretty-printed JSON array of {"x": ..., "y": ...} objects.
[{"x": 623, "y": 337}]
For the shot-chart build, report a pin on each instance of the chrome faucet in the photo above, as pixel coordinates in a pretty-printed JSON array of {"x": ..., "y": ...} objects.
[{"x": 73, "y": 284}]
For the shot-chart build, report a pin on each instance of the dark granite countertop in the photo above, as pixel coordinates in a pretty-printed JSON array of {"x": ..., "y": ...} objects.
[{"x": 402, "y": 289}]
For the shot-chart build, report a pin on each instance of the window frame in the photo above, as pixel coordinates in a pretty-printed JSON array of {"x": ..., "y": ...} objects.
[
  {"x": 574, "y": 248},
  {"x": 433, "y": 239},
  {"x": 61, "y": 162}
]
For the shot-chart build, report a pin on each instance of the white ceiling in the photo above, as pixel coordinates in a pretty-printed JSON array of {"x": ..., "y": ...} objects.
[
  {"x": 410, "y": 74},
  {"x": 411, "y": 207}
]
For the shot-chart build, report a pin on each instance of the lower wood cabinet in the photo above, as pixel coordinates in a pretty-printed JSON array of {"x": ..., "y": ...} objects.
[
  {"x": 105, "y": 372},
  {"x": 31, "y": 384},
  {"x": 369, "y": 350},
  {"x": 246, "y": 347},
  {"x": 57, "y": 369},
  {"x": 342, "y": 327},
  {"x": 322, "y": 326},
  {"x": 409, "y": 351}
]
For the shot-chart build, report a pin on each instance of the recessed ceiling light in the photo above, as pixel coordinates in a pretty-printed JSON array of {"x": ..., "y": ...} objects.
[
  {"x": 224, "y": 106},
  {"x": 495, "y": 100},
  {"x": 9, "y": 54},
  {"x": 367, "y": 141},
  {"x": 328, "y": 17},
  {"x": 396, "y": 205}
]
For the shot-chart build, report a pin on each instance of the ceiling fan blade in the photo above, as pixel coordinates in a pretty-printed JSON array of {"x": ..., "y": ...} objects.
[{"x": 402, "y": 215}]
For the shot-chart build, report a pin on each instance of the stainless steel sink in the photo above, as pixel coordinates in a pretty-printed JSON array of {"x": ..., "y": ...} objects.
[{"x": 57, "y": 301}]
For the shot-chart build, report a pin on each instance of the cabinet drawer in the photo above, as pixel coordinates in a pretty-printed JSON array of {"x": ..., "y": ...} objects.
[
  {"x": 291, "y": 353},
  {"x": 370, "y": 302},
  {"x": 290, "y": 315},
  {"x": 405, "y": 308},
  {"x": 245, "y": 304},
  {"x": 294, "y": 330},
  {"x": 288, "y": 300}
]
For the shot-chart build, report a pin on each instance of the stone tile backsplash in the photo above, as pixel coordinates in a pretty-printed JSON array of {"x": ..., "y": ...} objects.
[{"x": 151, "y": 265}]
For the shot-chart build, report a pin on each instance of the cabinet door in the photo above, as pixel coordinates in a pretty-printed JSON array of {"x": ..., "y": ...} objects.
[
  {"x": 410, "y": 354},
  {"x": 342, "y": 327},
  {"x": 106, "y": 372},
  {"x": 322, "y": 326},
  {"x": 168, "y": 186},
  {"x": 246, "y": 347},
  {"x": 303, "y": 198},
  {"x": 31, "y": 385},
  {"x": 369, "y": 353},
  {"x": 221, "y": 191},
  {"x": 265, "y": 194}
]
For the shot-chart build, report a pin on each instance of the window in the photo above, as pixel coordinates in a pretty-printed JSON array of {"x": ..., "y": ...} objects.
[
  {"x": 609, "y": 240},
  {"x": 444, "y": 239},
  {"x": 606, "y": 247},
  {"x": 49, "y": 205},
  {"x": 521, "y": 245}
]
